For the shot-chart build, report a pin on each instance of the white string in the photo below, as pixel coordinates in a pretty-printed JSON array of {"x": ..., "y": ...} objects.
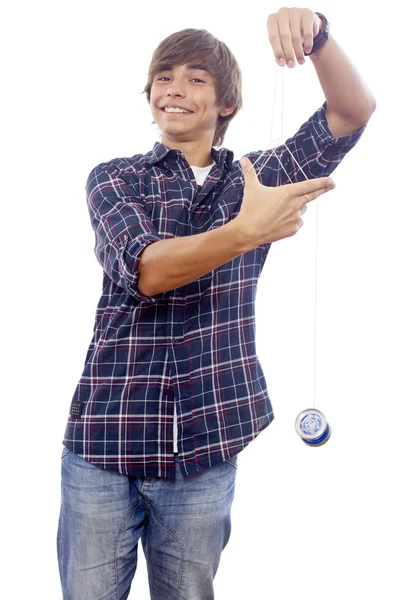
[{"x": 282, "y": 142}]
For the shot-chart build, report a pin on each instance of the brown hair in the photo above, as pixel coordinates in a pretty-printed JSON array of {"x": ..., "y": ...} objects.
[{"x": 190, "y": 44}]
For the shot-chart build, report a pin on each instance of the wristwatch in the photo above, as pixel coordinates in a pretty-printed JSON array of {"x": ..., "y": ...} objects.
[{"x": 321, "y": 38}]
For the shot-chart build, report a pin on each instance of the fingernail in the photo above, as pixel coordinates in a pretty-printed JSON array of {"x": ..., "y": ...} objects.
[
  {"x": 291, "y": 64},
  {"x": 282, "y": 62}
]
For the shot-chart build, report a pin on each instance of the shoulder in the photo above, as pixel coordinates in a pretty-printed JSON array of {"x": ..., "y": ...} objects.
[{"x": 130, "y": 168}]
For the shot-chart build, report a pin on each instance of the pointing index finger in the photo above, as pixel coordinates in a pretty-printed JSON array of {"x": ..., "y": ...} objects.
[{"x": 312, "y": 188}]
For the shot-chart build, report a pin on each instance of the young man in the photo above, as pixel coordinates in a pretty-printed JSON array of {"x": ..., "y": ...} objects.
[{"x": 172, "y": 389}]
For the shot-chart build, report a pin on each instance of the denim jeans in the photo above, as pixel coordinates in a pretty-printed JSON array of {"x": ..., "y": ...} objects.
[{"x": 184, "y": 524}]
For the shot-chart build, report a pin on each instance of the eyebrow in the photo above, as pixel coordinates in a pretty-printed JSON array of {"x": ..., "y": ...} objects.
[{"x": 189, "y": 67}]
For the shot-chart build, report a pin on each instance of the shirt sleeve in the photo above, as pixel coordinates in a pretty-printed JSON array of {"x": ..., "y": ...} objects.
[
  {"x": 121, "y": 225},
  {"x": 314, "y": 148}
]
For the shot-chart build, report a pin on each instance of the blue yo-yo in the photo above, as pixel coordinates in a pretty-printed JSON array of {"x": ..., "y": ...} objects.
[{"x": 311, "y": 425}]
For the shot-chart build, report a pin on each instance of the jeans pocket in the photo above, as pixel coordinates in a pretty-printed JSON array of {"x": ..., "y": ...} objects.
[
  {"x": 65, "y": 451},
  {"x": 232, "y": 461}
]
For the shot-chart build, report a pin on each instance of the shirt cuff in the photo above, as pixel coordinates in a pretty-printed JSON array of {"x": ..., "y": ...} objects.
[
  {"x": 324, "y": 137},
  {"x": 132, "y": 250}
]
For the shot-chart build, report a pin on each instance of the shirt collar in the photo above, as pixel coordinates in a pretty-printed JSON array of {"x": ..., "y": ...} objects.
[{"x": 161, "y": 152}]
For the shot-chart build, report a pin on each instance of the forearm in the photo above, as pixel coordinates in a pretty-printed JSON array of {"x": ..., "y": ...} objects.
[
  {"x": 345, "y": 91},
  {"x": 173, "y": 263}
]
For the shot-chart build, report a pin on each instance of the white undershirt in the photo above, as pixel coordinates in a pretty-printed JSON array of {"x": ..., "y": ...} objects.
[{"x": 200, "y": 173}]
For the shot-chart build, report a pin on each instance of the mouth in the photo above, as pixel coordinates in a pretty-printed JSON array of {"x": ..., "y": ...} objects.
[{"x": 176, "y": 114}]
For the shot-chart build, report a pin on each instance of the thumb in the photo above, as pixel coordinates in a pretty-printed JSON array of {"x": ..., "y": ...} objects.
[{"x": 248, "y": 169}]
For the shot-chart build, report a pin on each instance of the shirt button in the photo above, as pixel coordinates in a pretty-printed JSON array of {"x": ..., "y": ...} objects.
[{"x": 177, "y": 292}]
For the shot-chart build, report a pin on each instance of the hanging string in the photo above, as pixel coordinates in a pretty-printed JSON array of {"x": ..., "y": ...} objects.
[{"x": 281, "y": 141}]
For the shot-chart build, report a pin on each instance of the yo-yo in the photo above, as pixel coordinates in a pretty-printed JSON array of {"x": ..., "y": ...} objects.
[{"x": 312, "y": 426}]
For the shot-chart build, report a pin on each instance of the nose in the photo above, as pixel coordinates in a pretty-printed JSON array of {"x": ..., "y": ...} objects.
[
  {"x": 174, "y": 89},
  {"x": 175, "y": 94}
]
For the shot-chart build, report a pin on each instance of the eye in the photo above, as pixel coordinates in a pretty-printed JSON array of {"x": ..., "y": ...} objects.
[{"x": 194, "y": 79}]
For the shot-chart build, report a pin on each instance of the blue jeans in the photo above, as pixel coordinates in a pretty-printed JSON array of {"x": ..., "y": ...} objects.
[{"x": 184, "y": 524}]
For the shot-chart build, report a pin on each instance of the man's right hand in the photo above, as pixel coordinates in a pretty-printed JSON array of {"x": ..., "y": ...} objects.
[{"x": 268, "y": 213}]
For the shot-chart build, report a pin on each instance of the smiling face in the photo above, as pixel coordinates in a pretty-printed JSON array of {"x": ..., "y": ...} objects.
[{"x": 190, "y": 87}]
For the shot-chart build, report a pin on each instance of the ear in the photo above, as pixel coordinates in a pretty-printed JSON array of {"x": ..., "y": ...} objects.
[{"x": 227, "y": 111}]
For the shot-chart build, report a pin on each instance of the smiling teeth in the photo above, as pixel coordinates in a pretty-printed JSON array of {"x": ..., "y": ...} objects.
[{"x": 178, "y": 110}]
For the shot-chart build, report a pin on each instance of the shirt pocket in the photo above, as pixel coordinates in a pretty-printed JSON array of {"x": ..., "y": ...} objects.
[
  {"x": 217, "y": 212},
  {"x": 231, "y": 201}
]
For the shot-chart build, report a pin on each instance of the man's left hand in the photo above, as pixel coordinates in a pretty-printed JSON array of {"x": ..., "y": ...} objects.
[{"x": 291, "y": 32}]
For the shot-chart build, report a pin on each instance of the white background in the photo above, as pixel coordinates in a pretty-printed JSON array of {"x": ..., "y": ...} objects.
[{"x": 307, "y": 522}]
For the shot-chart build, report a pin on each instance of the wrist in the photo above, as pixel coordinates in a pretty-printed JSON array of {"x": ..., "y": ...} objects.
[
  {"x": 322, "y": 36},
  {"x": 242, "y": 238}
]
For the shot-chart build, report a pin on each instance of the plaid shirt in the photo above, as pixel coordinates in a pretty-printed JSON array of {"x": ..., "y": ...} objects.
[{"x": 193, "y": 347}]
